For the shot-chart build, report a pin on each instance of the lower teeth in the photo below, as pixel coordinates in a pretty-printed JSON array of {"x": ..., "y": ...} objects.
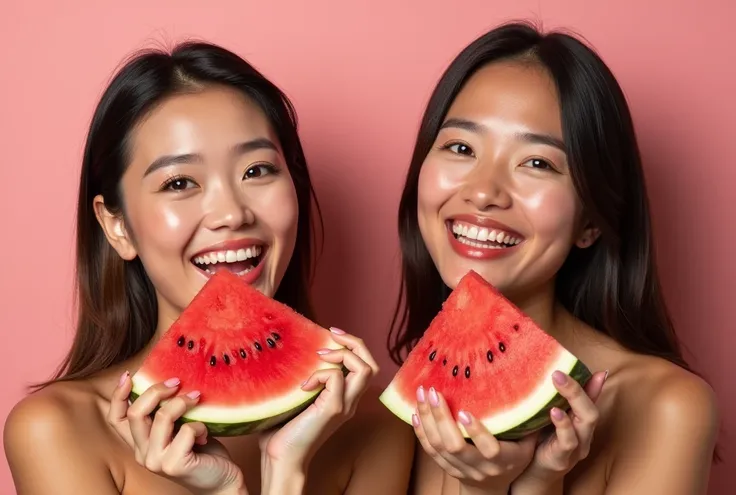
[{"x": 480, "y": 245}]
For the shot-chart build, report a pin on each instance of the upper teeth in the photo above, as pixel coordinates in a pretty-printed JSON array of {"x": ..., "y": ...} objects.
[
  {"x": 229, "y": 256},
  {"x": 483, "y": 234}
]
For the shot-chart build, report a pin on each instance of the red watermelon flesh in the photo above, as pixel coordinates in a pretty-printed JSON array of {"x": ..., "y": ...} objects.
[
  {"x": 486, "y": 357},
  {"x": 246, "y": 353}
]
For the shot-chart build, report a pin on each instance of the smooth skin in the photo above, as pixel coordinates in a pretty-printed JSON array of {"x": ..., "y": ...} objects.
[
  {"x": 82, "y": 436},
  {"x": 642, "y": 425}
]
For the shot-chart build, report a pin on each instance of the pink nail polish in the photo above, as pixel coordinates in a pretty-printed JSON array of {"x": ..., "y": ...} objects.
[
  {"x": 194, "y": 394},
  {"x": 434, "y": 399},
  {"x": 322, "y": 352},
  {"x": 415, "y": 420},
  {"x": 464, "y": 417},
  {"x": 420, "y": 394},
  {"x": 171, "y": 382},
  {"x": 557, "y": 413},
  {"x": 559, "y": 377},
  {"x": 337, "y": 331},
  {"x": 123, "y": 378}
]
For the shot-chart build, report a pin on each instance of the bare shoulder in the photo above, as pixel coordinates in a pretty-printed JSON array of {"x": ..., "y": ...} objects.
[
  {"x": 42, "y": 436},
  {"x": 666, "y": 426}
]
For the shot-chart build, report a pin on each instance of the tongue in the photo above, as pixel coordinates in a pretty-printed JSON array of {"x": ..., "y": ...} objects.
[{"x": 235, "y": 267}]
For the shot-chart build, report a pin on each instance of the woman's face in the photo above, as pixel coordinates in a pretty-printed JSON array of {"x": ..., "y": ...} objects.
[
  {"x": 207, "y": 189},
  {"x": 495, "y": 192}
]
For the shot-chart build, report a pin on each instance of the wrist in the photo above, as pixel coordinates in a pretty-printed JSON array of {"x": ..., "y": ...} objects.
[
  {"x": 282, "y": 478},
  {"x": 531, "y": 485}
]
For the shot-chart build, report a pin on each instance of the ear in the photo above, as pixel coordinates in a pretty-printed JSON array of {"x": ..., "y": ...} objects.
[
  {"x": 588, "y": 237},
  {"x": 114, "y": 228}
]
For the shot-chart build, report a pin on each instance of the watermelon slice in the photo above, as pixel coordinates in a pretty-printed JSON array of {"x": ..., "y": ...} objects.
[
  {"x": 488, "y": 358},
  {"x": 246, "y": 353}
]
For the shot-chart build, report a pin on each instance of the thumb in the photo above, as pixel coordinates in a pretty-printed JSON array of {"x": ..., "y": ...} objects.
[{"x": 594, "y": 387}]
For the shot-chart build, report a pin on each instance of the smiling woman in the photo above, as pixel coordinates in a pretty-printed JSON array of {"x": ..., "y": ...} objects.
[
  {"x": 192, "y": 165},
  {"x": 526, "y": 170}
]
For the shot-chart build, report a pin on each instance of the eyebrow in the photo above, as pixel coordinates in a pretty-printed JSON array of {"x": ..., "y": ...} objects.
[
  {"x": 529, "y": 137},
  {"x": 238, "y": 149}
]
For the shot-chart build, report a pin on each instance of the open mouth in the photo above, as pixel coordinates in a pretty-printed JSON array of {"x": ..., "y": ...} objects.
[
  {"x": 483, "y": 237},
  {"x": 238, "y": 261}
]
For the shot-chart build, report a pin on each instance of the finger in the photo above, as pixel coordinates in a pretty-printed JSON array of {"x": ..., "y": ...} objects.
[
  {"x": 357, "y": 379},
  {"x": 452, "y": 438},
  {"x": 162, "y": 428},
  {"x": 117, "y": 414},
  {"x": 357, "y": 346},
  {"x": 441, "y": 461},
  {"x": 139, "y": 413},
  {"x": 582, "y": 406},
  {"x": 331, "y": 398},
  {"x": 449, "y": 452},
  {"x": 566, "y": 439},
  {"x": 179, "y": 452},
  {"x": 487, "y": 444},
  {"x": 594, "y": 387}
]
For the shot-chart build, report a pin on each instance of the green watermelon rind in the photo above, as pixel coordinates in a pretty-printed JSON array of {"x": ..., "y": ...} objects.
[{"x": 524, "y": 420}]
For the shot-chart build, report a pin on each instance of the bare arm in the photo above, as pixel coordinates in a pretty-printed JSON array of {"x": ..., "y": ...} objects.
[
  {"x": 46, "y": 456},
  {"x": 670, "y": 449},
  {"x": 384, "y": 464}
]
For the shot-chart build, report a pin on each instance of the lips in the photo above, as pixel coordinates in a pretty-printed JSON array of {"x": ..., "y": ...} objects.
[{"x": 481, "y": 237}]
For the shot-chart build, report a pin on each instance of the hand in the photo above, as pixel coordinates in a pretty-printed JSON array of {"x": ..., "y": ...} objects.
[
  {"x": 295, "y": 443},
  {"x": 570, "y": 443},
  {"x": 489, "y": 465},
  {"x": 204, "y": 469}
]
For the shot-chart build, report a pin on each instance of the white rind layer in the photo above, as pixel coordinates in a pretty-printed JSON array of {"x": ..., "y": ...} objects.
[
  {"x": 232, "y": 414},
  {"x": 505, "y": 420}
]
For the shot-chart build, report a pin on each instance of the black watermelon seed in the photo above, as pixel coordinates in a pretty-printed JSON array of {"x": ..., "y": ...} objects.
[
  {"x": 270, "y": 343},
  {"x": 516, "y": 326},
  {"x": 242, "y": 353},
  {"x": 275, "y": 336},
  {"x": 444, "y": 362},
  {"x": 258, "y": 346},
  {"x": 180, "y": 342},
  {"x": 489, "y": 355},
  {"x": 501, "y": 347},
  {"x": 454, "y": 371},
  {"x": 467, "y": 372},
  {"x": 432, "y": 355},
  {"x": 213, "y": 361},
  {"x": 190, "y": 345},
  {"x": 226, "y": 358}
]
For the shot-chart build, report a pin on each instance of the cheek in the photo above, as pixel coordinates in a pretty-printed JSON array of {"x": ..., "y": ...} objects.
[
  {"x": 277, "y": 208},
  {"x": 437, "y": 183},
  {"x": 552, "y": 211}
]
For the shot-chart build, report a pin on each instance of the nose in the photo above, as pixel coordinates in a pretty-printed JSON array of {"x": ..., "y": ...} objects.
[
  {"x": 487, "y": 186},
  {"x": 226, "y": 209}
]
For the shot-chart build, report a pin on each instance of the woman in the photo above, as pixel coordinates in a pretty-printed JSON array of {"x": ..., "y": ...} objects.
[
  {"x": 528, "y": 136},
  {"x": 186, "y": 151}
]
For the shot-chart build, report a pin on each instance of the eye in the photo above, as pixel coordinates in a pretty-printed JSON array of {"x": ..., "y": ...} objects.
[
  {"x": 459, "y": 149},
  {"x": 260, "y": 170},
  {"x": 178, "y": 183},
  {"x": 538, "y": 163}
]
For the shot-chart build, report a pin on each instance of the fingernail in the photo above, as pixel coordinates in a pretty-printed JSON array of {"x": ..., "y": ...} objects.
[
  {"x": 194, "y": 394},
  {"x": 123, "y": 378},
  {"x": 171, "y": 382},
  {"x": 434, "y": 399},
  {"x": 464, "y": 417},
  {"x": 324, "y": 351},
  {"x": 559, "y": 377},
  {"x": 557, "y": 413},
  {"x": 337, "y": 331},
  {"x": 415, "y": 420},
  {"x": 605, "y": 376},
  {"x": 420, "y": 394}
]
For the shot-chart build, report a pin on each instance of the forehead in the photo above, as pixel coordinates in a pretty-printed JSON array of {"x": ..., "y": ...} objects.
[
  {"x": 207, "y": 121},
  {"x": 518, "y": 92}
]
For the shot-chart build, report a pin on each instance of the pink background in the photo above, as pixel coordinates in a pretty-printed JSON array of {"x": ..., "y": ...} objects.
[{"x": 359, "y": 73}]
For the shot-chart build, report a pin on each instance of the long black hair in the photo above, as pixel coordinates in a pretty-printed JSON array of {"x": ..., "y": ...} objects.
[
  {"x": 613, "y": 286},
  {"x": 117, "y": 309}
]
